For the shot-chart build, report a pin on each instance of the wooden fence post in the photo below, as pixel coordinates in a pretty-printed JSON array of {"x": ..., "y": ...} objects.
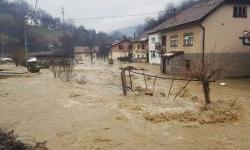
[
  {"x": 154, "y": 84},
  {"x": 130, "y": 78},
  {"x": 123, "y": 78},
  {"x": 145, "y": 81},
  {"x": 171, "y": 87}
]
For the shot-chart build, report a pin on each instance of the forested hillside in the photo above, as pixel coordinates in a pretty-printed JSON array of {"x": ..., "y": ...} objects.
[
  {"x": 46, "y": 34},
  {"x": 170, "y": 10}
]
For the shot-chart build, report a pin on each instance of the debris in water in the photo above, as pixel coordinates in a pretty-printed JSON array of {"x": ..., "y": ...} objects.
[{"x": 216, "y": 113}]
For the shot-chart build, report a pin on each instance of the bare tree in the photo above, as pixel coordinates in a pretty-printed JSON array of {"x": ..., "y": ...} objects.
[
  {"x": 66, "y": 69},
  {"x": 67, "y": 43},
  {"x": 207, "y": 70},
  {"x": 91, "y": 42},
  {"x": 18, "y": 57},
  {"x": 169, "y": 11},
  {"x": 53, "y": 67}
]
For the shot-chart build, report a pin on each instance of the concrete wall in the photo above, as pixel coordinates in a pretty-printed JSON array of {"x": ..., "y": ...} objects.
[
  {"x": 174, "y": 65},
  {"x": 197, "y": 39},
  {"x": 154, "y": 57},
  {"x": 223, "y": 31},
  {"x": 233, "y": 64}
]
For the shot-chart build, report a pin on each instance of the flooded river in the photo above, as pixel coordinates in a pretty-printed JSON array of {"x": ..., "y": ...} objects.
[{"x": 96, "y": 116}]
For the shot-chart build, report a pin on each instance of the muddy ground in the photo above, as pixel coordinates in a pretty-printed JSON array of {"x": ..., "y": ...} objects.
[{"x": 95, "y": 116}]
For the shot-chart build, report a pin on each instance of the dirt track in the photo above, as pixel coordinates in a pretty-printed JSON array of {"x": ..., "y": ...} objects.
[{"x": 97, "y": 116}]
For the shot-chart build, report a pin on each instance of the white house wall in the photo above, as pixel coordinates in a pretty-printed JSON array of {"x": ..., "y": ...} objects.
[{"x": 151, "y": 44}]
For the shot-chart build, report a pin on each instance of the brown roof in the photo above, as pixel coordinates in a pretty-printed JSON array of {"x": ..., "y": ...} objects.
[
  {"x": 142, "y": 38},
  {"x": 193, "y": 14},
  {"x": 173, "y": 54},
  {"x": 120, "y": 41},
  {"x": 83, "y": 50}
]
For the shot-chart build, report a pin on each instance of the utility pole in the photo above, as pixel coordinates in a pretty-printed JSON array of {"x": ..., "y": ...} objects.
[
  {"x": 63, "y": 14},
  {"x": 25, "y": 43},
  {"x": 2, "y": 45}
]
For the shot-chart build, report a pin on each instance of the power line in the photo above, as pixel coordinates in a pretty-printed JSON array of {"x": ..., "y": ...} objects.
[
  {"x": 35, "y": 6},
  {"x": 112, "y": 17},
  {"x": 34, "y": 10}
]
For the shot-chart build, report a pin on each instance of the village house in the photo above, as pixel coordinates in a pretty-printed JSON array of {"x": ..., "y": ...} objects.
[
  {"x": 154, "y": 47},
  {"x": 121, "y": 49},
  {"x": 208, "y": 30},
  {"x": 32, "y": 22},
  {"x": 140, "y": 49},
  {"x": 84, "y": 53}
]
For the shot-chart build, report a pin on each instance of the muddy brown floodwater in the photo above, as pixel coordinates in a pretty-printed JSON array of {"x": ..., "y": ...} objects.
[{"x": 95, "y": 116}]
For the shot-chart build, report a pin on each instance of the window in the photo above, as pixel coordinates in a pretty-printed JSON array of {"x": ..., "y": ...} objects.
[
  {"x": 163, "y": 40},
  {"x": 138, "y": 46},
  {"x": 246, "y": 40},
  {"x": 188, "y": 39},
  {"x": 153, "y": 54},
  {"x": 158, "y": 46},
  {"x": 174, "y": 41},
  {"x": 130, "y": 46},
  {"x": 188, "y": 65},
  {"x": 120, "y": 47},
  {"x": 142, "y": 46},
  {"x": 153, "y": 40},
  {"x": 240, "y": 12}
]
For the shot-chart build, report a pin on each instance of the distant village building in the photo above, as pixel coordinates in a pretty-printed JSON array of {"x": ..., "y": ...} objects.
[
  {"x": 32, "y": 22},
  {"x": 84, "y": 53},
  {"x": 140, "y": 49},
  {"x": 29, "y": 21},
  {"x": 121, "y": 49},
  {"x": 211, "y": 28},
  {"x": 154, "y": 48},
  {"x": 46, "y": 57}
]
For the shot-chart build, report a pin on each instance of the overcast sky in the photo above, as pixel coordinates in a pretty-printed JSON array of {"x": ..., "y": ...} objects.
[{"x": 78, "y": 9}]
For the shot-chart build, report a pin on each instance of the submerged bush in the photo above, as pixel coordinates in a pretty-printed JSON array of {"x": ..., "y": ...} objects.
[{"x": 8, "y": 141}]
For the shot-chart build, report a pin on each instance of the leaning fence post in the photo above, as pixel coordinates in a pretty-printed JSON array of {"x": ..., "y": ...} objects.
[
  {"x": 145, "y": 81},
  {"x": 123, "y": 78},
  {"x": 154, "y": 84},
  {"x": 130, "y": 78},
  {"x": 171, "y": 87}
]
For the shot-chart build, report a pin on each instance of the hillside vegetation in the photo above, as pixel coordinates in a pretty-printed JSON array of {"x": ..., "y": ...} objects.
[{"x": 49, "y": 34}]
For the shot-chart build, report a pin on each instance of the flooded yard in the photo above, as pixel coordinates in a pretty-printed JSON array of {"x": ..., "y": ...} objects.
[{"x": 96, "y": 115}]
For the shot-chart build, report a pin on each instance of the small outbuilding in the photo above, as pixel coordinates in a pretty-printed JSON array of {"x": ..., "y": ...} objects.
[
  {"x": 173, "y": 62},
  {"x": 84, "y": 53}
]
